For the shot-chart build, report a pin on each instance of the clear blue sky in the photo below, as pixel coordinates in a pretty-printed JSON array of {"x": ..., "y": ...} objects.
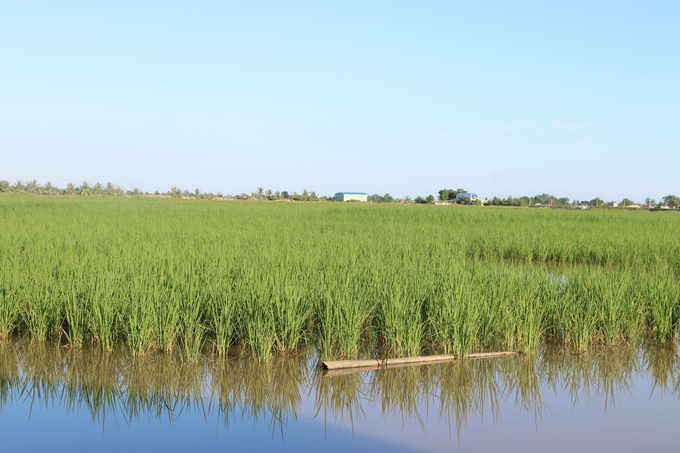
[{"x": 577, "y": 99}]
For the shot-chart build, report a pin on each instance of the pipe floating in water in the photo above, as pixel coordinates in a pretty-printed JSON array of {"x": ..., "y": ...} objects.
[{"x": 384, "y": 363}]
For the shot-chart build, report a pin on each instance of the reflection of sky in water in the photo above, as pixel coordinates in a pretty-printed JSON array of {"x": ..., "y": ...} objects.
[{"x": 608, "y": 401}]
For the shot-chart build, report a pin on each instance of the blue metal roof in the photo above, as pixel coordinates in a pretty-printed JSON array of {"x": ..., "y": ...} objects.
[{"x": 466, "y": 194}]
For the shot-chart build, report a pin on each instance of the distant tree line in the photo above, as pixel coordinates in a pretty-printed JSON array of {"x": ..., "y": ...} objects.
[{"x": 444, "y": 195}]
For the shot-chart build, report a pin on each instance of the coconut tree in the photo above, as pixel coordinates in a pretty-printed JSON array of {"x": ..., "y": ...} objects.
[
  {"x": 4, "y": 186},
  {"x": 70, "y": 188},
  {"x": 197, "y": 192},
  {"x": 110, "y": 188},
  {"x": 85, "y": 188},
  {"x": 98, "y": 188},
  {"x": 268, "y": 193},
  {"x": 49, "y": 188},
  {"x": 305, "y": 194},
  {"x": 176, "y": 192},
  {"x": 260, "y": 192},
  {"x": 136, "y": 191},
  {"x": 32, "y": 186}
]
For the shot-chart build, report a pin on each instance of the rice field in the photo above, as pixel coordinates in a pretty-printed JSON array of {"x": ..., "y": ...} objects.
[{"x": 199, "y": 277}]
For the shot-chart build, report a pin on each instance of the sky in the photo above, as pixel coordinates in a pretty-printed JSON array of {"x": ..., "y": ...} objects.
[{"x": 578, "y": 99}]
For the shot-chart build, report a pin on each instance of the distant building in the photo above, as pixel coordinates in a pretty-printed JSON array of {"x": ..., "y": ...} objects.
[
  {"x": 350, "y": 196},
  {"x": 470, "y": 195},
  {"x": 613, "y": 204}
]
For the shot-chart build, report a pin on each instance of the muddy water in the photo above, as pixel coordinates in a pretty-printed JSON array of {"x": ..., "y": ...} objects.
[{"x": 608, "y": 400}]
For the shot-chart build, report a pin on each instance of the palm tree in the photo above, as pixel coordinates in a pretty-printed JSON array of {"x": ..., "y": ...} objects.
[
  {"x": 305, "y": 194},
  {"x": 98, "y": 188},
  {"x": 85, "y": 188},
  {"x": 19, "y": 185},
  {"x": 110, "y": 188},
  {"x": 260, "y": 191},
  {"x": 49, "y": 188},
  {"x": 32, "y": 186},
  {"x": 176, "y": 192},
  {"x": 198, "y": 193},
  {"x": 4, "y": 186},
  {"x": 312, "y": 195},
  {"x": 219, "y": 195},
  {"x": 135, "y": 191},
  {"x": 70, "y": 188},
  {"x": 277, "y": 194},
  {"x": 268, "y": 192}
]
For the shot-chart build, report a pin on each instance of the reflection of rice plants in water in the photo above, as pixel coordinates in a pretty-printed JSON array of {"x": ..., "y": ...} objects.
[
  {"x": 122, "y": 388},
  {"x": 161, "y": 275}
]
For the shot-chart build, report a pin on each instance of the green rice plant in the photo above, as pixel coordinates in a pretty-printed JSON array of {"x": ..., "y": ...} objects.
[
  {"x": 258, "y": 316},
  {"x": 454, "y": 319},
  {"x": 581, "y": 313},
  {"x": 104, "y": 308},
  {"x": 9, "y": 312},
  {"x": 291, "y": 312},
  {"x": 552, "y": 305},
  {"x": 41, "y": 310},
  {"x": 489, "y": 312},
  {"x": 224, "y": 310},
  {"x": 529, "y": 310},
  {"x": 401, "y": 318},
  {"x": 166, "y": 318},
  {"x": 620, "y": 311},
  {"x": 140, "y": 322},
  {"x": 501, "y": 300},
  {"x": 661, "y": 294},
  {"x": 76, "y": 318},
  {"x": 342, "y": 314},
  {"x": 190, "y": 302}
]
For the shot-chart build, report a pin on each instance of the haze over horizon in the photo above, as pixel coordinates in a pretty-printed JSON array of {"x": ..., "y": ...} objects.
[{"x": 577, "y": 99}]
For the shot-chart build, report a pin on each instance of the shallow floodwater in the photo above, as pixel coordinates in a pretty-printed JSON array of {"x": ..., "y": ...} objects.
[{"x": 619, "y": 400}]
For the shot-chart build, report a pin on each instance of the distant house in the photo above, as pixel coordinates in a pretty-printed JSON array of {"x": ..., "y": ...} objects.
[
  {"x": 350, "y": 196},
  {"x": 470, "y": 195},
  {"x": 613, "y": 204}
]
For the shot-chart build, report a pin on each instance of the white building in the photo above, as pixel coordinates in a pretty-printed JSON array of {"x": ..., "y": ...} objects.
[{"x": 350, "y": 196}]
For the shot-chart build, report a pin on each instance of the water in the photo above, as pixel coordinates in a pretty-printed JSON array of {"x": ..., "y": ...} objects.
[{"x": 56, "y": 399}]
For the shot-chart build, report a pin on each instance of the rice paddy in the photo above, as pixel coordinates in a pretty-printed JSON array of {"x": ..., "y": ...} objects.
[{"x": 191, "y": 277}]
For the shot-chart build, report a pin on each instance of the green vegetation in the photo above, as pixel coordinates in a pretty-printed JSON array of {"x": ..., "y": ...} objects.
[{"x": 170, "y": 275}]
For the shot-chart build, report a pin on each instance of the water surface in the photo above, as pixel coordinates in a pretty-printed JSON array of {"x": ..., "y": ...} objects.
[{"x": 52, "y": 398}]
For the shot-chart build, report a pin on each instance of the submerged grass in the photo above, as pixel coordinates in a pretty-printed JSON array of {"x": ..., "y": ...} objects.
[{"x": 165, "y": 274}]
